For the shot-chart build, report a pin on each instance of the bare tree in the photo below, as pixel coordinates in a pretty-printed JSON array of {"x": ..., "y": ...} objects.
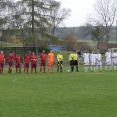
[
  {"x": 57, "y": 16},
  {"x": 105, "y": 12}
]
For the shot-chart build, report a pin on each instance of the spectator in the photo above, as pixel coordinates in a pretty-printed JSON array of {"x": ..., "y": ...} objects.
[{"x": 79, "y": 55}]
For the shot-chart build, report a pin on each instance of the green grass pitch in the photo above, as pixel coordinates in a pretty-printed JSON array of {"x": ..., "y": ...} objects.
[{"x": 59, "y": 94}]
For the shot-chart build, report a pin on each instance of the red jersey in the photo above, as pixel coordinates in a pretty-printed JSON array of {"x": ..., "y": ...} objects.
[
  {"x": 33, "y": 58},
  {"x": 2, "y": 57},
  {"x": 11, "y": 57},
  {"x": 43, "y": 57},
  {"x": 27, "y": 58},
  {"x": 17, "y": 59}
]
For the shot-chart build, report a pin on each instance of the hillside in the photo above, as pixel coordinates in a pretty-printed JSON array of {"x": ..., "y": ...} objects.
[{"x": 78, "y": 32}]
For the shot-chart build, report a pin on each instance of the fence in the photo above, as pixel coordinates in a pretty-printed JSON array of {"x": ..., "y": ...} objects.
[{"x": 21, "y": 50}]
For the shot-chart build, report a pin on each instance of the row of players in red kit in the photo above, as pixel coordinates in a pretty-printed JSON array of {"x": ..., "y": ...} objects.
[{"x": 17, "y": 60}]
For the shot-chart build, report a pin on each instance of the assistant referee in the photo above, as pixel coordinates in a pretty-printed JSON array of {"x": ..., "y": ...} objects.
[
  {"x": 75, "y": 58},
  {"x": 60, "y": 63},
  {"x": 71, "y": 61}
]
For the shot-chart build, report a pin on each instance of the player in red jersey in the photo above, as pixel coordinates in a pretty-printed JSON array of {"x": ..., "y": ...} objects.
[
  {"x": 42, "y": 61},
  {"x": 18, "y": 63},
  {"x": 33, "y": 62},
  {"x": 10, "y": 60},
  {"x": 2, "y": 62},
  {"x": 26, "y": 60}
]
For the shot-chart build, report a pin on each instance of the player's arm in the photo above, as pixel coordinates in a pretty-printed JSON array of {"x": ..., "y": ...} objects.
[
  {"x": 40, "y": 59},
  {"x": 61, "y": 57},
  {"x": 4, "y": 60},
  {"x": 48, "y": 59},
  {"x": 58, "y": 58}
]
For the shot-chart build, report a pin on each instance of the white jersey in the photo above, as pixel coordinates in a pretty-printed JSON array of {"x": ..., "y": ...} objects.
[
  {"x": 108, "y": 56},
  {"x": 93, "y": 57},
  {"x": 86, "y": 56},
  {"x": 98, "y": 57},
  {"x": 114, "y": 58}
]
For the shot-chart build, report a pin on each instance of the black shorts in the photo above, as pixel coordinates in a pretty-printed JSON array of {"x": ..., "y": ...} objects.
[
  {"x": 75, "y": 62},
  {"x": 71, "y": 62},
  {"x": 60, "y": 63}
]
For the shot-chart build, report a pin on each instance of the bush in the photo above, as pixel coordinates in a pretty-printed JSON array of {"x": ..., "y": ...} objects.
[{"x": 41, "y": 48}]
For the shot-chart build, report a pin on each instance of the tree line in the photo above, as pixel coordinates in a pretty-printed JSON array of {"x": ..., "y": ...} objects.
[{"x": 31, "y": 20}]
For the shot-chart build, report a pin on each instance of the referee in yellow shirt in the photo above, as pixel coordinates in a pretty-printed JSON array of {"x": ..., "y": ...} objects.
[
  {"x": 60, "y": 63},
  {"x": 75, "y": 58},
  {"x": 71, "y": 61}
]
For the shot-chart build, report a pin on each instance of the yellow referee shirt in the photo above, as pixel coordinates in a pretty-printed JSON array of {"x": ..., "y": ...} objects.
[
  {"x": 70, "y": 57},
  {"x": 75, "y": 56},
  {"x": 59, "y": 57}
]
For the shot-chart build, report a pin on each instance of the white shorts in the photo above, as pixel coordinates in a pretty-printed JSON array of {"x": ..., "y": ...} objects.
[
  {"x": 93, "y": 62},
  {"x": 115, "y": 62},
  {"x": 86, "y": 62},
  {"x": 108, "y": 62},
  {"x": 98, "y": 63}
]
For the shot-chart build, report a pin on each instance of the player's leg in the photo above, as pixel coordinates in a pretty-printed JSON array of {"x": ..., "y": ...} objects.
[
  {"x": 61, "y": 66},
  {"x": 49, "y": 66},
  {"x": 100, "y": 66},
  {"x": 16, "y": 67},
  {"x": 58, "y": 65},
  {"x": 85, "y": 66},
  {"x": 24, "y": 67},
  {"x": 110, "y": 65},
  {"x": 32, "y": 66},
  {"x": 35, "y": 67},
  {"x": 72, "y": 65},
  {"x": 2, "y": 68},
  {"x": 10, "y": 67},
  {"x": 52, "y": 67},
  {"x": 94, "y": 66},
  {"x": 19, "y": 67},
  {"x": 106, "y": 65},
  {"x": 76, "y": 63},
  {"x": 41, "y": 64},
  {"x": 91, "y": 66}
]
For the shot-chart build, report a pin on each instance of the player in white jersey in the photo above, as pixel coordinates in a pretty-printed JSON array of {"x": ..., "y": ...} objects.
[
  {"x": 86, "y": 60},
  {"x": 98, "y": 61},
  {"x": 114, "y": 59},
  {"x": 93, "y": 60},
  {"x": 108, "y": 59}
]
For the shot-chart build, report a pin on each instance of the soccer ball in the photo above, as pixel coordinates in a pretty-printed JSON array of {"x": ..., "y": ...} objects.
[{"x": 68, "y": 71}]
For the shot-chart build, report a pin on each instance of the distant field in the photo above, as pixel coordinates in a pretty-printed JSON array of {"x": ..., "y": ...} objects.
[
  {"x": 58, "y": 94},
  {"x": 93, "y": 44}
]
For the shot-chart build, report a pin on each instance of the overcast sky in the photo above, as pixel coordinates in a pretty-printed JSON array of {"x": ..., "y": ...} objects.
[{"x": 79, "y": 11}]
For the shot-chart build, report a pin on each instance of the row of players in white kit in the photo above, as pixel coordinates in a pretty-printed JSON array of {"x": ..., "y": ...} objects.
[{"x": 96, "y": 60}]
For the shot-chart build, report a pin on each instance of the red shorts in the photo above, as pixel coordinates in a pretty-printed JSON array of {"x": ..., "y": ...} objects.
[
  {"x": 43, "y": 63},
  {"x": 1, "y": 64},
  {"x": 33, "y": 65},
  {"x": 18, "y": 65},
  {"x": 11, "y": 63},
  {"x": 26, "y": 65}
]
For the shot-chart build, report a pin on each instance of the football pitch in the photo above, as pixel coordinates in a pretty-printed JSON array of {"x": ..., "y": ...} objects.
[{"x": 59, "y": 94}]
